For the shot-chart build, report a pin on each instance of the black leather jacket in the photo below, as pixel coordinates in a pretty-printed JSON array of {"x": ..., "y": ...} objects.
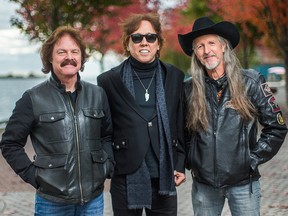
[
  {"x": 72, "y": 141},
  {"x": 230, "y": 152}
]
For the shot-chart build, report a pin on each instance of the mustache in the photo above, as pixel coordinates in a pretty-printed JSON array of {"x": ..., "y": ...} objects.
[
  {"x": 208, "y": 55},
  {"x": 68, "y": 62}
]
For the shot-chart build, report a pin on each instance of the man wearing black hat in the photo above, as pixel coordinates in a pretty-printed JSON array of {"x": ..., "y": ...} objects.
[{"x": 223, "y": 104}]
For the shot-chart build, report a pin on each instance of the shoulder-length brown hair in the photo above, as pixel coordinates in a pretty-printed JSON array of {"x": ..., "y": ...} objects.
[
  {"x": 48, "y": 46},
  {"x": 132, "y": 23}
]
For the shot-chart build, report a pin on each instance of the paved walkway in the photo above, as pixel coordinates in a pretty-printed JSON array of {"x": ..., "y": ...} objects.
[{"x": 17, "y": 197}]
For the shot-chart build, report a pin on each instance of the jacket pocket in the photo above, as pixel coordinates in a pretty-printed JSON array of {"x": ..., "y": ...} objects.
[
  {"x": 93, "y": 118},
  {"x": 50, "y": 124},
  {"x": 51, "y": 174},
  {"x": 101, "y": 168}
]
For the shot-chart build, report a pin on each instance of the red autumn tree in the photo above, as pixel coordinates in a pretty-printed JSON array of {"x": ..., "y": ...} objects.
[
  {"x": 108, "y": 24},
  {"x": 39, "y": 18},
  {"x": 270, "y": 17},
  {"x": 173, "y": 24},
  {"x": 97, "y": 20},
  {"x": 105, "y": 33}
]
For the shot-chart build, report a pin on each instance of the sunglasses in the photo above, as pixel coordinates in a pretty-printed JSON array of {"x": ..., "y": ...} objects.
[{"x": 137, "y": 38}]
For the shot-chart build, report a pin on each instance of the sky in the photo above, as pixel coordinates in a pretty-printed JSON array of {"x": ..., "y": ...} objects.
[{"x": 18, "y": 56}]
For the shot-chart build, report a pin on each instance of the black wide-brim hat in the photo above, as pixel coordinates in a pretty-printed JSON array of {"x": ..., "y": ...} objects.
[{"x": 204, "y": 26}]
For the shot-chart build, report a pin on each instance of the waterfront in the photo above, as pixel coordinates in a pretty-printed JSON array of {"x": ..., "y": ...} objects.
[{"x": 12, "y": 90}]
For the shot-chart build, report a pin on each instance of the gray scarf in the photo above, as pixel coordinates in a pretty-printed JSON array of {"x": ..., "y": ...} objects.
[{"x": 139, "y": 192}]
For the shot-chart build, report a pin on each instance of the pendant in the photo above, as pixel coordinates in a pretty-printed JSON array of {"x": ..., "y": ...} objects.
[{"x": 146, "y": 96}]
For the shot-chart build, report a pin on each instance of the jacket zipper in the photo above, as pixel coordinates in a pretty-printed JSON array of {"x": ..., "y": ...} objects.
[
  {"x": 78, "y": 149},
  {"x": 215, "y": 123}
]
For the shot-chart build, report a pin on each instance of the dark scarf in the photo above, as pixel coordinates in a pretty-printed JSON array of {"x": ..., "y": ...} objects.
[
  {"x": 139, "y": 191},
  {"x": 220, "y": 84}
]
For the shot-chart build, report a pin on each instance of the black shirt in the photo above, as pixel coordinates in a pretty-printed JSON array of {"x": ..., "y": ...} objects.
[{"x": 146, "y": 73}]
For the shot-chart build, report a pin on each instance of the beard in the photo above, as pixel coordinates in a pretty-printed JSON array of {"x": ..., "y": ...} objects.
[
  {"x": 211, "y": 66},
  {"x": 211, "y": 62}
]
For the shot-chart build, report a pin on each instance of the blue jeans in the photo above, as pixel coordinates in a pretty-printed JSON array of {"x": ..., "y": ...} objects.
[
  {"x": 209, "y": 201},
  {"x": 44, "y": 207}
]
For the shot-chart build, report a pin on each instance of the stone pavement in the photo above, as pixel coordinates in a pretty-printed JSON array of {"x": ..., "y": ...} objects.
[{"x": 17, "y": 197}]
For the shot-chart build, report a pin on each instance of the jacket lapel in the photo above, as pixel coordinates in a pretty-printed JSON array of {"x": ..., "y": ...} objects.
[
  {"x": 116, "y": 80},
  {"x": 169, "y": 85}
]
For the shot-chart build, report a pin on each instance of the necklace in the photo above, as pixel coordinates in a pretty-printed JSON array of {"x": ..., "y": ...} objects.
[{"x": 146, "y": 95}]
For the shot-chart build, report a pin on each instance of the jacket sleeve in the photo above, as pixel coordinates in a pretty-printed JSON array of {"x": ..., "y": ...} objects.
[
  {"x": 187, "y": 133},
  {"x": 15, "y": 137},
  {"x": 270, "y": 117},
  {"x": 180, "y": 163},
  {"x": 106, "y": 127},
  {"x": 106, "y": 132}
]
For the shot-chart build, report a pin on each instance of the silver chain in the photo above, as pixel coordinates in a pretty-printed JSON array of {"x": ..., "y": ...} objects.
[{"x": 146, "y": 89}]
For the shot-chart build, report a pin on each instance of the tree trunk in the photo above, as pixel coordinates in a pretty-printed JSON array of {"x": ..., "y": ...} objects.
[{"x": 245, "y": 52}]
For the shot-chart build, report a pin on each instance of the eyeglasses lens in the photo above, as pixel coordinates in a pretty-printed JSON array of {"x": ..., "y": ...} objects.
[{"x": 150, "y": 38}]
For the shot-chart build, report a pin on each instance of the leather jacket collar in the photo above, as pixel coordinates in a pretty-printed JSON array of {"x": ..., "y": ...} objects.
[{"x": 56, "y": 82}]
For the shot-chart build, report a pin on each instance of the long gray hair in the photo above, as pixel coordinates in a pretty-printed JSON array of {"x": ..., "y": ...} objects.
[{"x": 197, "y": 118}]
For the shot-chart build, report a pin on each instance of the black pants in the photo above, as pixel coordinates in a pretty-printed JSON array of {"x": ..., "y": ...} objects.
[{"x": 162, "y": 205}]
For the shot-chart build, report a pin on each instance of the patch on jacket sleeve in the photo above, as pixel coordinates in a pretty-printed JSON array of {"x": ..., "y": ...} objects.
[
  {"x": 274, "y": 106},
  {"x": 266, "y": 89},
  {"x": 280, "y": 119}
]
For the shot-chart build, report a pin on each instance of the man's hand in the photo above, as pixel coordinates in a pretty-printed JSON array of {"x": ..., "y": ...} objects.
[{"x": 179, "y": 178}]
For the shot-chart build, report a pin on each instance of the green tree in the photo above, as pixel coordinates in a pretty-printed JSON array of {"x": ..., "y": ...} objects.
[{"x": 274, "y": 17}]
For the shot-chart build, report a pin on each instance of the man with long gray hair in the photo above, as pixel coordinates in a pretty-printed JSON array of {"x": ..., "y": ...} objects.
[{"x": 223, "y": 105}]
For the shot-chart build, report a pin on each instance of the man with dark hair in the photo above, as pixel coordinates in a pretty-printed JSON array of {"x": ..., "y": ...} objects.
[
  {"x": 145, "y": 96},
  {"x": 70, "y": 127}
]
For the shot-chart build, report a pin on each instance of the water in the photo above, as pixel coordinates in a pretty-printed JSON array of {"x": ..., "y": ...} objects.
[{"x": 13, "y": 89}]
